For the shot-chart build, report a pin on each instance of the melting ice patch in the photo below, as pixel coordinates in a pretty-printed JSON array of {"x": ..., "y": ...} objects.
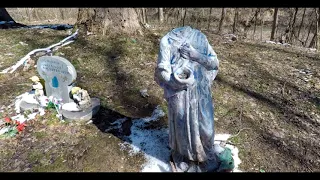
[{"x": 153, "y": 144}]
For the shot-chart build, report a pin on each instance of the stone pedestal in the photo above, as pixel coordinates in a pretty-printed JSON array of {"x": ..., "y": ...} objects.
[
  {"x": 84, "y": 115},
  {"x": 183, "y": 165}
]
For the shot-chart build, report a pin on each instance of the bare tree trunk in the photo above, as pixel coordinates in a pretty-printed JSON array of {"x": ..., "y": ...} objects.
[
  {"x": 202, "y": 18},
  {"x": 223, "y": 13},
  {"x": 288, "y": 30},
  {"x": 317, "y": 27},
  {"x": 178, "y": 15},
  {"x": 35, "y": 14},
  {"x": 146, "y": 15},
  {"x": 28, "y": 14},
  {"x": 313, "y": 42},
  {"x": 61, "y": 13},
  {"x": 235, "y": 19},
  {"x": 247, "y": 25},
  {"x": 115, "y": 20},
  {"x": 274, "y": 24},
  {"x": 184, "y": 16},
  {"x": 292, "y": 25},
  {"x": 138, "y": 11},
  {"x": 255, "y": 22},
  {"x": 304, "y": 12},
  {"x": 262, "y": 22},
  {"x": 160, "y": 15},
  {"x": 144, "y": 19},
  {"x": 209, "y": 20},
  {"x": 197, "y": 21},
  {"x": 305, "y": 43}
]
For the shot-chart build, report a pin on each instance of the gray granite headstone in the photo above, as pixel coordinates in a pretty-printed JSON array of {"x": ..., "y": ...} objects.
[{"x": 58, "y": 74}]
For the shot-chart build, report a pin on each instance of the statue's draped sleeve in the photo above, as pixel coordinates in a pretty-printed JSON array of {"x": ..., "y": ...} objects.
[
  {"x": 164, "y": 76},
  {"x": 211, "y": 64}
]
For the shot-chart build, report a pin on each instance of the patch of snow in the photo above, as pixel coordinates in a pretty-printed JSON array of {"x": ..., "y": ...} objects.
[
  {"x": 312, "y": 49},
  {"x": 271, "y": 42},
  {"x": 4, "y": 130},
  {"x": 72, "y": 106},
  {"x": 235, "y": 155},
  {"x": 44, "y": 100},
  {"x": 221, "y": 137},
  {"x": 153, "y": 144},
  {"x": 9, "y": 54},
  {"x": 23, "y": 43},
  {"x": 21, "y": 118},
  {"x": 41, "y": 111},
  {"x": 30, "y": 99}
]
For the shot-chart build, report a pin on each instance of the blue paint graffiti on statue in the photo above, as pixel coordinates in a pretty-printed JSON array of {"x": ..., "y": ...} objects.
[
  {"x": 55, "y": 82},
  {"x": 186, "y": 67}
]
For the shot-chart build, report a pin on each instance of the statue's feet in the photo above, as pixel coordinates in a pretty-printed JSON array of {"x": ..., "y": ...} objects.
[
  {"x": 181, "y": 164},
  {"x": 211, "y": 165},
  {"x": 220, "y": 160}
]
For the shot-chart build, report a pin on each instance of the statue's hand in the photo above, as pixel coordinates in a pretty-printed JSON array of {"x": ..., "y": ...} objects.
[
  {"x": 189, "y": 52},
  {"x": 185, "y": 82}
]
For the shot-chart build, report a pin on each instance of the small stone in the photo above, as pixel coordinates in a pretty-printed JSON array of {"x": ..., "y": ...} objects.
[
  {"x": 23, "y": 43},
  {"x": 144, "y": 93}
]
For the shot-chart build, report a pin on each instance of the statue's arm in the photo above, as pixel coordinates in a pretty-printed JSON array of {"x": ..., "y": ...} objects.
[
  {"x": 212, "y": 56},
  {"x": 209, "y": 61},
  {"x": 164, "y": 73}
]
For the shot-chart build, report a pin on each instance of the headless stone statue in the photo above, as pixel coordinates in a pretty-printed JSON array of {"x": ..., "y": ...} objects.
[{"x": 186, "y": 67}]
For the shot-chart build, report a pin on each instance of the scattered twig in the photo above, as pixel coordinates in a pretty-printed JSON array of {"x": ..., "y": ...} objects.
[
  {"x": 23, "y": 84},
  {"x": 89, "y": 122},
  {"x": 241, "y": 111},
  {"x": 284, "y": 85},
  {"x": 100, "y": 71},
  {"x": 238, "y": 133},
  {"x": 231, "y": 143}
]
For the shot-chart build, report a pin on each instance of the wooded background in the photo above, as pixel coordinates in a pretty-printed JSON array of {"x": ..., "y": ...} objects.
[{"x": 298, "y": 26}]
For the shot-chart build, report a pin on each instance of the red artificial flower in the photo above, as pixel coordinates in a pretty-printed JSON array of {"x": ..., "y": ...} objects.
[
  {"x": 20, "y": 127},
  {"x": 7, "y": 119}
]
